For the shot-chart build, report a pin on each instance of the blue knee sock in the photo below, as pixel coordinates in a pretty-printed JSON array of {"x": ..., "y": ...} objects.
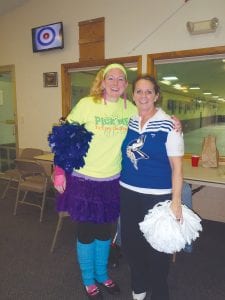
[
  {"x": 102, "y": 249},
  {"x": 85, "y": 256}
]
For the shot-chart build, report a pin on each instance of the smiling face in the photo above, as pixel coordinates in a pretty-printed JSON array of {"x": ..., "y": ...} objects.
[
  {"x": 144, "y": 95},
  {"x": 114, "y": 84}
]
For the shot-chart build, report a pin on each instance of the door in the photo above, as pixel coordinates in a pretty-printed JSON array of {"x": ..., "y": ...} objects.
[{"x": 8, "y": 121}]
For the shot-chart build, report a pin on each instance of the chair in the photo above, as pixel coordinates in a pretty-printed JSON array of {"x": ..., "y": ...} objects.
[
  {"x": 62, "y": 215},
  {"x": 186, "y": 198},
  {"x": 32, "y": 178},
  {"x": 12, "y": 175}
]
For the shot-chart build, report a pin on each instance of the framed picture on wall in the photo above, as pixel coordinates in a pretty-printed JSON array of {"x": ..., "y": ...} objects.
[{"x": 50, "y": 79}]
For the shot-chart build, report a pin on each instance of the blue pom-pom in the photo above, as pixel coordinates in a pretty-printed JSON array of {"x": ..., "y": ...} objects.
[{"x": 70, "y": 144}]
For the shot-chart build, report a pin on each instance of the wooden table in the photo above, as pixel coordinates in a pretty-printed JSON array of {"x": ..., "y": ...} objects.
[
  {"x": 47, "y": 161},
  {"x": 45, "y": 157},
  {"x": 214, "y": 177},
  {"x": 209, "y": 183}
]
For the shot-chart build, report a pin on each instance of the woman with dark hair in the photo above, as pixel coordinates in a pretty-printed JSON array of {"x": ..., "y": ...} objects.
[{"x": 151, "y": 173}]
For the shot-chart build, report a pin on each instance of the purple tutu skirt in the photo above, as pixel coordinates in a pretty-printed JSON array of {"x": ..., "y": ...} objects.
[{"x": 90, "y": 201}]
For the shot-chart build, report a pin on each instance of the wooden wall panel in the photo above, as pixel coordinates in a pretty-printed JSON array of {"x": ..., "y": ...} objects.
[{"x": 92, "y": 39}]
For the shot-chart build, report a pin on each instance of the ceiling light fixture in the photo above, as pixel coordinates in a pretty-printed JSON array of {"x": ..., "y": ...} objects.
[
  {"x": 179, "y": 87},
  {"x": 170, "y": 78},
  {"x": 167, "y": 82},
  {"x": 203, "y": 26},
  {"x": 133, "y": 69},
  {"x": 207, "y": 93},
  {"x": 194, "y": 88}
]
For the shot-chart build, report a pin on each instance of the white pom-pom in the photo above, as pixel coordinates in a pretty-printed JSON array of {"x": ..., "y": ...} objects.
[{"x": 165, "y": 233}]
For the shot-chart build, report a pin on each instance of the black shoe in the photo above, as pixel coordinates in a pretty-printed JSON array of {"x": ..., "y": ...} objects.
[
  {"x": 111, "y": 287},
  {"x": 93, "y": 292}
]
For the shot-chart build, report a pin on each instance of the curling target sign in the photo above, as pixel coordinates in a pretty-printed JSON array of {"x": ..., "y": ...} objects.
[{"x": 47, "y": 37}]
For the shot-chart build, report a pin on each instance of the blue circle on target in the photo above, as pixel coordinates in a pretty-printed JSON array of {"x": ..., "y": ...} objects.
[{"x": 46, "y": 36}]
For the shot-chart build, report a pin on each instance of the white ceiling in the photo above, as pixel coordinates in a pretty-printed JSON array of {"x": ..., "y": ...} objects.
[{"x": 9, "y": 5}]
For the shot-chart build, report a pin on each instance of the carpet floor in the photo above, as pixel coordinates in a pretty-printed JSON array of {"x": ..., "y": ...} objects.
[{"x": 29, "y": 271}]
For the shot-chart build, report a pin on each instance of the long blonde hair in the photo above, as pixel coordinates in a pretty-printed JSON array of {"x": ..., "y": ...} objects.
[{"x": 96, "y": 91}]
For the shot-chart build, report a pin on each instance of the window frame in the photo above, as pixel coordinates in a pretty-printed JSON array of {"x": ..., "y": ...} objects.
[
  {"x": 183, "y": 54},
  {"x": 66, "y": 75}
]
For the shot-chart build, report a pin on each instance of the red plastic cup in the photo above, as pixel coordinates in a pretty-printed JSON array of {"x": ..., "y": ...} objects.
[{"x": 195, "y": 160}]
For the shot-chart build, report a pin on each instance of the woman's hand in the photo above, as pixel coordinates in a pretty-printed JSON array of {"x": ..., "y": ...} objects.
[
  {"x": 59, "y": 179},
  {"x": 177, "y": 210},
  {"x": 177, "y": 124}
]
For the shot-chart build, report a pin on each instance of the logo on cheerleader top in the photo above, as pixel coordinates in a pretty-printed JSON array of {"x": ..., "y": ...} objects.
[{"x": 134, "y": 152}]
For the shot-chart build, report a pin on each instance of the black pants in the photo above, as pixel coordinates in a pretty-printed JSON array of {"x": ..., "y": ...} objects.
[
  {"x": 149, "y": 268},
  {"x": 87, "y": 232}
]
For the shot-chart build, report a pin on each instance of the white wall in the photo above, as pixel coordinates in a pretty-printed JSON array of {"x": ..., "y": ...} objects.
[{"x": 127, "y": 24}]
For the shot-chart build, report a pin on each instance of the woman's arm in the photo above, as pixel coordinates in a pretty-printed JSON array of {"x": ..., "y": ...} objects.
[{"x": 177, "y": 182}]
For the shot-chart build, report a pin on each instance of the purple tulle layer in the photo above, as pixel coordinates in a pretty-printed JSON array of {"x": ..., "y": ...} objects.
[{"x": 90, "y": 201}]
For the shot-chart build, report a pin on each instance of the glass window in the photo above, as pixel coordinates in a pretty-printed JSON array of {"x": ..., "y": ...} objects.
[
  {"x": 81, "y": 81},
  {"x": 194, "y": 91}
]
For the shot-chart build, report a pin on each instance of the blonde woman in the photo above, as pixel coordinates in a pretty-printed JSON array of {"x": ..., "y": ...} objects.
[{"x": 91, "y": 194}]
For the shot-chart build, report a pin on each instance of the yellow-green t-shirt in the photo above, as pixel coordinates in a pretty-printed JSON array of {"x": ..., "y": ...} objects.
[{"x": 109, "y": 124}]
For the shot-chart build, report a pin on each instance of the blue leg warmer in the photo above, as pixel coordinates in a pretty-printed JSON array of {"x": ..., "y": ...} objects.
[
  {"x": 85, "y": 256},
  {"x": 102, "y": 249}
]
